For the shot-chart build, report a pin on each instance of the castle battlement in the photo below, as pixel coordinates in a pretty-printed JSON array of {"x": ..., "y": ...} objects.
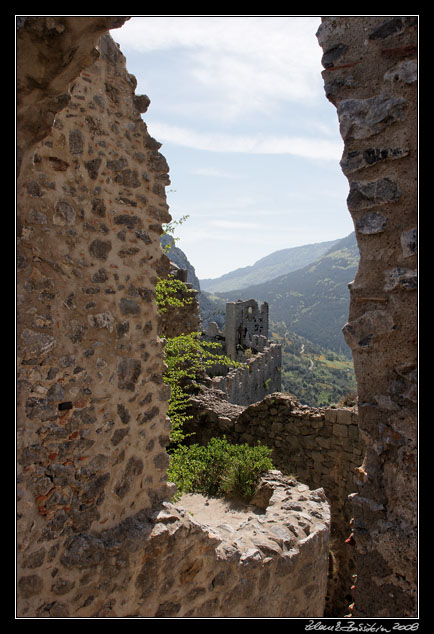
[{"x": 245, "y": 339}]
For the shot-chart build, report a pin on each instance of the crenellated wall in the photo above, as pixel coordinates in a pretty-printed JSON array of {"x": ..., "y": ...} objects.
[{"x": 371, "y": 77}]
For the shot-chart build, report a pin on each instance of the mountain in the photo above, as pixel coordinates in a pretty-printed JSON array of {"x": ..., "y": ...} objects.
[
  {"x": 312, "y": 301},
  {"x": 317, "y": 368},
  {"x": 268, "y": 267}
]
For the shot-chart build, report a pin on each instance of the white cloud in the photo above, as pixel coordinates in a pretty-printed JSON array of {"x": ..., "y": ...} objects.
[
  {"x": 310, "y": 148},
  {"x": 246, "y": 62},
  {"x": 233, "y": 224},
  {"x": 211, "y": 171}
]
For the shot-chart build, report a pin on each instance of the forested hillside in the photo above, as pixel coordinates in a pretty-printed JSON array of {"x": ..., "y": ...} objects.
[
  {"x": 313, "y": 301},
  {"x": 308, "y": 309},
  {"x": 271, "y": 266},
  {"x": 317, "y": 376}
]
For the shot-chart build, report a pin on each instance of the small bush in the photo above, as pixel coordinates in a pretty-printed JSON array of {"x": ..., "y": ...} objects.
[
  {"x": 219, "y": 469},
  {"x": 186, "y": 357},
  {"x": 349, "y": 400},
  {"x": 173, "y": 293}
]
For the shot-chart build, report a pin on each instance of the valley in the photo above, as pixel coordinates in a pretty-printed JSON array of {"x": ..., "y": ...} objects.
[
  {"x": 317, "y": 376},
  {"x": 312, "y": 301},
  {"x": 308, "y": 308}
]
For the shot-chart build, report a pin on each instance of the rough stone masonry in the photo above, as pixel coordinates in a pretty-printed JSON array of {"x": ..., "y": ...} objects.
[
  {"x": 371, "y": 77},
  {"x": 96, "y": 533}
]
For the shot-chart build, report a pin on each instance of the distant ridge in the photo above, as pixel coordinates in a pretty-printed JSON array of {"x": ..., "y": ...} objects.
[
  {"x": 312, "y": 301},
  {"x": 267, "y": 268}
]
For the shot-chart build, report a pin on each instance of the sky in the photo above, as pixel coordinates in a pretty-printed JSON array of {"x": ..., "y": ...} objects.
[{"x": 252, "y": 143}]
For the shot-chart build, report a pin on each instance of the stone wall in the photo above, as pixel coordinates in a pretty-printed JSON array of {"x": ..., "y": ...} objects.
[
  {"x": 260, "y": 376},
  {"x": 246, "y": 324},
  {"x": 89, "y": 357},
  {"x": 245, "y": 339},
  {"x": 97, "y": 536},
  {"x": 320, "y": 447},
  {"x": 371, "y": 77}
]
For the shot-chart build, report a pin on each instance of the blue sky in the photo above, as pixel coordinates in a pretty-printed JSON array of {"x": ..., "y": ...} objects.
[{"x": 252, "y": 143}]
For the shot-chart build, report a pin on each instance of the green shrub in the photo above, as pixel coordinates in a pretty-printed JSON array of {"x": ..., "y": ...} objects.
[
  {"x": 219, "y": 469},
  {"x": 173, "y": 293},
  {"x": 186, "y": 357}
]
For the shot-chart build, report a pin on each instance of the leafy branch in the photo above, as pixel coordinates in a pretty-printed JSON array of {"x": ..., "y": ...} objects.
[
  {"x": 173, "y": 293},
  {"x": 169, "y": 229}
]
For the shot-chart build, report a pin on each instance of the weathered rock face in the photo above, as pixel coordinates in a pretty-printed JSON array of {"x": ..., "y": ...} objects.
[
  {"x": 371, "y": 77},
  {"x": 182, "y": 316}
]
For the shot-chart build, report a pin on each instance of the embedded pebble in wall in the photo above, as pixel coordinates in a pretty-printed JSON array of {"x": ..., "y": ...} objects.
[
  {"x": 64, "y": 214},
  {"x": 409, "y": 243},
  {"x": 368, "y": 194},
  {"x": 333, "y": 54},
  {"x": 362, "y": 118},
  {"x": 369, "y": 327},
  {"x": 37, "y": 344},
  {"x": 401, "y": 278},
  {"x": 141, "y": 102},
  {"x": 102, "y": 320},
  {"x": 76, "y": 142},
  {"x": 390, "y": 27},
  {"x": 100, "y": 249},
  {"x": 356, "y": 160},
  {"x": 405, "y": 71},
  {"x": 371, "y": 223},
  {"x": 128, "y": 371}
]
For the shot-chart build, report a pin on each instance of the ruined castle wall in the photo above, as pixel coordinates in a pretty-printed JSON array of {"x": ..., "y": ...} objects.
[
  {"x": 245, "y": 321},
  {"x": 89, "y": 356},
  {"x": 320, "y": 447},
  {"x": 96, "y": 534},
  {"x": 251, "y": 383},
  {"x": 245, "y": 340},
  {"x": 91, "y": 413},
  {"x": 371, "y": 77}
]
